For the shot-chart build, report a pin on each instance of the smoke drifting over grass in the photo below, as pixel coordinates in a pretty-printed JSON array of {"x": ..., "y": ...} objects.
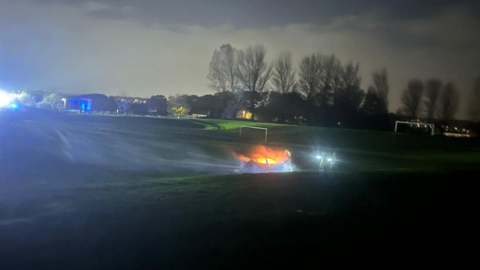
[{"x": 43, "y": 143}]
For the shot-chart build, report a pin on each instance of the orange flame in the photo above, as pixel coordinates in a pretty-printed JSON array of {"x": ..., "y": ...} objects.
[
  {"x": 243, "y": 158},
  {"x": 264, "y": 155}
]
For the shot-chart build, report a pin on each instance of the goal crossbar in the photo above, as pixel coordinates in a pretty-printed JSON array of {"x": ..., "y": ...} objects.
[
  {"x": 266, "y": 131},
  {"x": 432, "y": 126}
]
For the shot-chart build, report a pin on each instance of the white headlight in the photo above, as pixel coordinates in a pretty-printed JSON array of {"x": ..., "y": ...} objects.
[
  {"x": 319, "y": 157},
  {"x": 329, "y": 160}
]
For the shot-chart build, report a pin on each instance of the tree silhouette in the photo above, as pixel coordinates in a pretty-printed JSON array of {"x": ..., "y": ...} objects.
[
  {"x": 157, "y": 105},
  {"x": 310, "y": 75},
  {"x": 432, "y": 92},
  {"x": 349, "y": 95},
  {"x": 284, "y": 74},
  {"x": 223, "y": 69},
  {"x": 381, "y": 88},
  {"x": 411, "y": 98},
  {"x": 449, "y": 102},
  {"x": 253, "y": 71},
  {"x": 329, "y": 80},
  {"x": 373, "y": 104},
  {"x": 474, "y": 106}
]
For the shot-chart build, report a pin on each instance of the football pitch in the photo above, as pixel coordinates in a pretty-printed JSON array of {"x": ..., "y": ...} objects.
[{"x": 107, "y": 192}]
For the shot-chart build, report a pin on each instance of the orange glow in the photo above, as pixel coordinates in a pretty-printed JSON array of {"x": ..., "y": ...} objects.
[
  {"x": 269, "y": 161},
  {"x": 243, "y": 158},
  {"x": 264, "y": 155}
]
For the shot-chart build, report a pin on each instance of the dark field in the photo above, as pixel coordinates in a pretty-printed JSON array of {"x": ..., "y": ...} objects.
[{"x": 93, "y": 192}]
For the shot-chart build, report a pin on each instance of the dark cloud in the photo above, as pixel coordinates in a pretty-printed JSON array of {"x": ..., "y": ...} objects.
[{"x": 265, "y": 13}]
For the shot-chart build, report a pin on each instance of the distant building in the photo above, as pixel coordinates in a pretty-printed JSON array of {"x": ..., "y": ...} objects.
[
  {"x": 76, "y": 104},
  {"x": 135, "y": 100},
  {"x": 244, "y": 113},
  {"x": 200, "y": 113},
  {"x": 457, "y": 132}
]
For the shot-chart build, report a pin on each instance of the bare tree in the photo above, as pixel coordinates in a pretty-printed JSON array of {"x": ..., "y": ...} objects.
[
  {"x": 372, "y": 106},
  {"x": 349, "y": 96},
  {"x": 310, "y": 74},
  {"x": 284, "y": 74},
  {"x": 474, "y": 108},
  {"x": 223, "y": 69},
  {"x": 432, "y": 92},
  {"x": 216, "y": 75},
  {"x": 381, "y": 88},
  {"x": 253, "y": 71},
  {"x": 449, "y": 102},
  {"x": 330, "y": 79},
  {"x": 411, "y": 98}
]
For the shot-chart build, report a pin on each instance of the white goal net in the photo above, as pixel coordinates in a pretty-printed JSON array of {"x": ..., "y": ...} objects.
[
  {"x": 415, "y": 127},
  {"x": 255, "y": 133}
]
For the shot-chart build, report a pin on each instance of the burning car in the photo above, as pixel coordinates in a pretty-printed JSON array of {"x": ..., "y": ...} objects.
[{"x": 263, "y": 160}]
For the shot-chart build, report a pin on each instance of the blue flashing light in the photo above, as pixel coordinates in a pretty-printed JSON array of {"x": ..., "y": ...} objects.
[
  {"x": 83, "y": 106},
  {"x": 13, "y": 106}
]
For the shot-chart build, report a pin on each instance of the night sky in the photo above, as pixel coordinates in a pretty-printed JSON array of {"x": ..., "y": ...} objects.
[{"x": 141, "y": 48}]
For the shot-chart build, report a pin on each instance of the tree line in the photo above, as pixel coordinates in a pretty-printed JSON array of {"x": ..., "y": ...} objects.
[
  {"x": 436, "y": 101},
  {"x": 319, "y": 90},
  {"x": 322, "y": 90}
]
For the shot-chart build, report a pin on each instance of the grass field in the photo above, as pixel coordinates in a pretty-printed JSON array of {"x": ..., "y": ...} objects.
[{"x": 98, "y": 192}]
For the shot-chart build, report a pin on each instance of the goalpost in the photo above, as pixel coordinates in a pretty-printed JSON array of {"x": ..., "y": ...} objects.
[
  {"x": 254, "y": 128},
  {"x": 416, "y": 125}
]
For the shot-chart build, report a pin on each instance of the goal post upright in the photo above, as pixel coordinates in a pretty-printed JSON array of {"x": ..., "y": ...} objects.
[{"x": 266, "y": 131}]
